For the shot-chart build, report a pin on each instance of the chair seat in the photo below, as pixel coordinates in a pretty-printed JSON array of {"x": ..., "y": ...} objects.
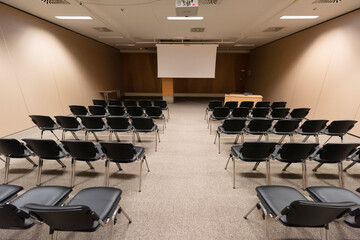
[
  {"x": 221, "y": 130},
  {"x": 102, "y": 200},
  {"x": 73, "y": 129},
  {"x": 318, "y": 159},
  {"x": 235, "y": 152},
  {"x": 128, "y": 129},
  {"x": 140, "y": 151},
  {"x": 8, "y": 191},
  {"x": 335, "y": 194},
  {"x": 212, "y": 117},
  {"x": 96, "y": 129},
  {"x": 146, "y": 130}
]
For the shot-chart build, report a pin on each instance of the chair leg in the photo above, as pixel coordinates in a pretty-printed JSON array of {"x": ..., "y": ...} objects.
[
  {"x": 127, "y": 216},
  {"x": 206, "y": 111},
  {"x": 304, "y": 174},
  {"x": 156, "y": 141},
  {"x": 324, "y": 233},
  {"x": 117, "y": 136},
  {"x": 86, "y": 135},
  {"x": 252, "y": 209},
  {"x": 242, "y": 139},
  {"x": 119, "y": 166},
  {"x": 168, "y": 114},
  {"x": 38, "y": 181},
  {"x": 281, "y": 139},
  {"x": 233, "y": 172},
  {"x": 141, "y": 163},
  {"x": 341, "y": 176},
  {"x": 147, "y": 165},
  {"x": 227, "y": 163},
  {"x": 286, "y": 167},
  {"x": 216, "y": 137},
  {"x": 72, "y": 180},
  {"x": 327, "y": 140},
  {"x": 31, "y": 161},
  {"x": 133, "y": 138},
  {"x": 53, "y": 235},
  {"x": 54, "y": 135},
  {"x": 97, "y": 139},
  {"x": 291, "y": 138},
  {"x": 42, "y": 134},
  {"x": 236, "y": 139},
  {"x": 317, "y": 139},
  {"x": 61, "y": 163},
  {"x": 349, "y": 166},
  {"x": 317, "y": 167},
  {"x": 267, "y": 225},
  {"x": 158, "y": 134},
  {"x": 218, "y": 142},
  {"x": 90, "y": 165},
  {"x": 74, "y": 135},
  {"x": 107, "y": 163},
  {"x": 259, "y": 138},
  {"x": 268, "y": 176},
  {"x": 110, "y": 136},
  {"x": 255, "y": 166},
  {"x": 306, "y": 138},
  {"x": 138, "y": 136},
  {"x": 7, "y": 165},
  {"x": 63, "y": 135}
]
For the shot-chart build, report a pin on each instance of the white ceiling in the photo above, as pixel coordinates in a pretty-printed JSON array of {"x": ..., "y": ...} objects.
[{"x": 143, "y": 22}]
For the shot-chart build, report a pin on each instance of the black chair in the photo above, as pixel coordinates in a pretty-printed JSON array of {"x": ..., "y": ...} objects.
[
  {"x": 114, "y": 102},
  {"x": 145, "y": 125},
  {"x": 98, "y": 110},
  {"x": 338, "y": 128},
  {"x": 144, "y": 103},
  {"x": 212, "y": 104},
  {"x": 259, "y": 112},
  {"x": 45, "y": 149},
  {"x": 45, "y": 123},
  {"x": 69, "y": 124},
  {"x": 327, "y": 194},
  {"x": 259, "y": 127},
  {"x": 240, "y": 112},
  {"x": 279, "y": 113},
  {"x": 163, "y": 105},
  {"x": 248, "y": 104},
  {"x": 219, "y": 114},
  {"x": 252, "y": 152},
  {"x": 231, "y": 127},
  {"x": 93, "y": 124},
  {"x": 100, "y": 102},
  {"x": 12, "y": 148},
  {"x": 88, "y": 210},
  {"x": 278, "y": 105},
  {"x": 130, "y": 103},
  {"x": 135, "y": 111},
  {"x": 299, "y": 113},
  {"x": 292, "y": 209},
  {"x": 14, "y": 216},
  {"x": 231, "y": 104},
  {"x": 312, "y": 128},
  {"x": 285, "y": 128},
  {"x": 118, "y": 124},
  {"x": 262, "y": 104},
  {"x": 8, "y": 192},
  {"x": 116, "y": 110},
  {"x": 123, "y": 153},
  {"x": 78, "y": 110},
  {"x": 85, "y": 151},
  {"x": 355, "y": 158},
  {"x": 335, "y": 153},
  {"x": 156, "y": 113},
  {"x": 296, "y": 153}
]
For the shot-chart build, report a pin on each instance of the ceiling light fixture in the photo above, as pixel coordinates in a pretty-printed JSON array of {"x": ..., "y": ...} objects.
[
  {"x": 110, "y": 37},
  {"x": 74, "y": 17},
  {"x": 299, "y": 17},
  {"x": 185, "y": 18}
]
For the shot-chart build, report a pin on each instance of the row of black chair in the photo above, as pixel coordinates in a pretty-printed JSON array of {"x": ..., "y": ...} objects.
[
  {"x": 88, "y": 210},
  {"x": 85, "y": 151},
  {"x": 331, "y": 153},
  {"x": 293, "y": 209}
]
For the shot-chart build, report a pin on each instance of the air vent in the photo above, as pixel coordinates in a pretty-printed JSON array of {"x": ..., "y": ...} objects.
[
  {"x": 326, "y": 1},
  {"x": 102, "y": 29},
  {"x": 197, "y": 29},
  {"x": 55, "y": 1},
  {"x": 209, "y": 2},
  {"x": 273, "y": 29}
]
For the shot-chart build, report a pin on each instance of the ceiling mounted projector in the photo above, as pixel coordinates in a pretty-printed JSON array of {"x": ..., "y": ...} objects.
[{"x": 186, "y": 8}]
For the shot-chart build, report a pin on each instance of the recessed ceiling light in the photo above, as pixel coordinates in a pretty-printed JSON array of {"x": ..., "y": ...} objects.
[
  {"x": 185, "y": 18},
  {"x": 111, "y": 37},
  {"x": 74, "y": 17},
  {"x": 299, "y": 17}
]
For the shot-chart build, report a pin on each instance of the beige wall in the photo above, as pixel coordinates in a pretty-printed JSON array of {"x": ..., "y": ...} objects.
[
  {"x": 317, "y": 68},
  {"x": 44, "y": 68}
]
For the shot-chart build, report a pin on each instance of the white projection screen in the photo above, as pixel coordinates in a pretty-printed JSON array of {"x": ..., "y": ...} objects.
[{"x": 186, "y": 60}]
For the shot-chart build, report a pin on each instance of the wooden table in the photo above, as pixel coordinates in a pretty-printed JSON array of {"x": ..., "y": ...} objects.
[
  {"x": 241, "y": 97},
  {"x": 107, "y": 92}
]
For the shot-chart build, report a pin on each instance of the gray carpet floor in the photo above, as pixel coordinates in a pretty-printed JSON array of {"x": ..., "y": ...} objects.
[{"x": 188, "y": 194}]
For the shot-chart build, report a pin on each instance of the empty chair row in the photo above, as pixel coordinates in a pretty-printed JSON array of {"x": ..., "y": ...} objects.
[
  {"x": 131, "y": 102},
  {"x": 85, "y": 151}
]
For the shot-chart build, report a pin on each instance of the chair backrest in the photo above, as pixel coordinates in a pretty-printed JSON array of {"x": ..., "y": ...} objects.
[
  {"x": 296, "y": 152},
  {"x": 97, "y": 110},
  {"x": 287, "y": 125},
  {"x": 12, "y": 217},
  {"x": 130, "y": 103},
  {"x": 145, "y": 103},
  {"x": 64, "y": 218},
  {"x": 92, "y": 122},
  {"x": 336, "y": 152},
  {"x": 135, "y": 111},
  {"x": 340, "y": 126},
  {"x": 67, "y": 122},
  {"x": 78, "y": 110},
  {"x": 100, "y": 102},
  {"x": 231, "y": 104},
  {"x": 278, "y": 105},
  {"x": 314, "y": 214},
  {"x": 143, "y": 123},
  {"x": 118, "y": 150},
  {"x": 153, "y": 111},
  {"x": 248, "y": 104},
  {"x": 214, "y": 103},
  {"x": 262, "y": 104},
  {"x": 233, "y": 125},
  {"x": 81, "y": 150},
  {"x": 221, "y": 112},
  {"x": 299, "y": 113},
  {"x": 11, "y": 147},
  {"x": 43, "y": 121},
  {"x": 240, "y": 112},
  {"x": 279, "y": 113},
  {"x": 115, "y": 102},
  {"x": 118, "y": 122},
  {"x": 44, "y": 148},
  {"x": 259, "y": 125},
  {"x": 313, "y": 126},
  {"x": 260, "y": 112},
  {"x": 116, "y": 110},
  {"x": 257, "y": 150},
  {"x": 160, "y": 103}
]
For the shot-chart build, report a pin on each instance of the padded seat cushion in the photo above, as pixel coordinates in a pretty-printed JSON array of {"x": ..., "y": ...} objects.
[
  {"x": 222, "y": 130},
  {"x": 8, "y": 191},
  {"x": 102, "y": 200}
]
